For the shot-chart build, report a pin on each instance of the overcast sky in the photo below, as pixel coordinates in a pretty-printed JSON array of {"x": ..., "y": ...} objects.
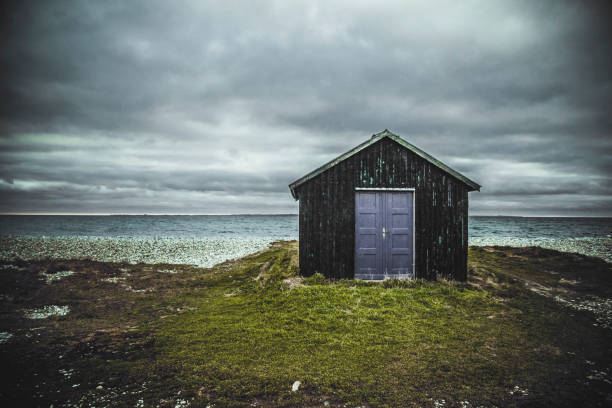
[{"x": 214, "y": 107}]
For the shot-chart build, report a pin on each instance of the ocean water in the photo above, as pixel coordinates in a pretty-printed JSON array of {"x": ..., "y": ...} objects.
[
  {"x": 209, "y": 239},
  {"x": 139, "y": 226},
  {"x": 587, "y": 236}
]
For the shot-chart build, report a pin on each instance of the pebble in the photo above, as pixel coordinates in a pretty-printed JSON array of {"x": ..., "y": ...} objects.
[
  {"x": 519, "y": 391},
  {"x": 181, "y": 403}
]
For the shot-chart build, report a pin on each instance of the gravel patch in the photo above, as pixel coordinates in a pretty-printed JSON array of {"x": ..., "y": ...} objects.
[
  {"x": 203, "y": 252},
  {"x": 47, "y": 311},
  {"x": 170, "y": 271},
  {"x": 53, "y": 277},
  {"x": 5, "y": 337},
  {"x": 599, "y": 247},
  {"x": 600, "y": 307}
]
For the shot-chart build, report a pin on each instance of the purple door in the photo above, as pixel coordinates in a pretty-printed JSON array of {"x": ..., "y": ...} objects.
[{"x": 384, "y": 234}]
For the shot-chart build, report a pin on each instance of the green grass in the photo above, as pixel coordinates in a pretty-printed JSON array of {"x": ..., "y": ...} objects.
[{"x": 241, "y": 333}]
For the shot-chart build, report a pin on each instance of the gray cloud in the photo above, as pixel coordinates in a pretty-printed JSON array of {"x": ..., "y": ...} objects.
[{"x": 197, "y": 107}]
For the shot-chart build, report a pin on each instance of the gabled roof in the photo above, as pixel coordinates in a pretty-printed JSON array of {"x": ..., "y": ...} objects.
[{"x": 375, "y": 138}]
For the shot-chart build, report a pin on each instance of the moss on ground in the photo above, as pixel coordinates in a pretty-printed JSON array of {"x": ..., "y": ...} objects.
[{"x": 241, "y": 333}]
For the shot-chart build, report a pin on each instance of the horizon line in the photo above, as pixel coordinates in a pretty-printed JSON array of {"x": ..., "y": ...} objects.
[
  {"x": 136, "y": 214},
  {"x": 77, "y": 214}
]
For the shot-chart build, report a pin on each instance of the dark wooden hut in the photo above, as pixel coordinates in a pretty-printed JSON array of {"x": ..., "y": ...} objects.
[{"x": 385, "y": 209}]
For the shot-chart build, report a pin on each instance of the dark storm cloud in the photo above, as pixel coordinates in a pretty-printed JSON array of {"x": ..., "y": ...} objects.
[{"x": 216, "y": 106}]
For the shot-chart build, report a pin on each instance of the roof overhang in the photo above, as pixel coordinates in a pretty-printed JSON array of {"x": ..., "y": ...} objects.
[{"x": 375, "y": 138}]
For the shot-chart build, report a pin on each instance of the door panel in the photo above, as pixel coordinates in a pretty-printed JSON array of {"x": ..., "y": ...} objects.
[
  {"x": 368, "y": 242},
  {"x": 384, "y": 234},
  {"x": 399, "y": 245}
]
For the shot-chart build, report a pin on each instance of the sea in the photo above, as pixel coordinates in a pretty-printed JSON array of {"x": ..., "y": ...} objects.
[{"x": 206, "y": 240}]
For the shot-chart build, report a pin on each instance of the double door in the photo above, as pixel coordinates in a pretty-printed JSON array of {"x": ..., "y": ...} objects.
[{"x": 384, "y": 234}]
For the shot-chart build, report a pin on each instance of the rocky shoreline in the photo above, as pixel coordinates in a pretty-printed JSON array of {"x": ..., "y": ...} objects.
[
  {"x": 202, "y": 252},
  {"x": 207, "y": 252}
]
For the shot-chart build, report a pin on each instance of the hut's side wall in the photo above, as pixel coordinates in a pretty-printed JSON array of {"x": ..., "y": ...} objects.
[{"x": 327, "y": 212}]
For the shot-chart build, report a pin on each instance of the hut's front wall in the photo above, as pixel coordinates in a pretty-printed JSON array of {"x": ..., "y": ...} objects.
[{"x": 327, "y": 212}]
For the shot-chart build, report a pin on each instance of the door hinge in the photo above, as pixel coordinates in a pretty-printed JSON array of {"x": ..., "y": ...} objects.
[{"x": 384, "y": 232}]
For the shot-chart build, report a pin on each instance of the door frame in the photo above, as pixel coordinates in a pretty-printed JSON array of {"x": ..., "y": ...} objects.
[{"x": 390, "y": 189}]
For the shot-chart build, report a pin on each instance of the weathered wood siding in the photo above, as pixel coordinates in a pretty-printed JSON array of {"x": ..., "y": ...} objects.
[{"x": 327, "y": 212}]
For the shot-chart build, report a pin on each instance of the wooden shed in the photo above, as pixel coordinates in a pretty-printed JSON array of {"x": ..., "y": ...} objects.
[{"x": 385, "y": 209}]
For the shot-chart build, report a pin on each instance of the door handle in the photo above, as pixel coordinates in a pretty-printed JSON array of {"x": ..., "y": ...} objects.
[{"x": 384, "y": 232}]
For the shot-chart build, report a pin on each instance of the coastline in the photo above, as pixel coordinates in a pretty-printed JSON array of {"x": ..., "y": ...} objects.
[{"x": 207, "y": 252}]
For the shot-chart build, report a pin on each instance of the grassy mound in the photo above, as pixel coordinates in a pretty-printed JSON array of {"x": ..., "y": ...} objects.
[{"x": 241, "y": 333}]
